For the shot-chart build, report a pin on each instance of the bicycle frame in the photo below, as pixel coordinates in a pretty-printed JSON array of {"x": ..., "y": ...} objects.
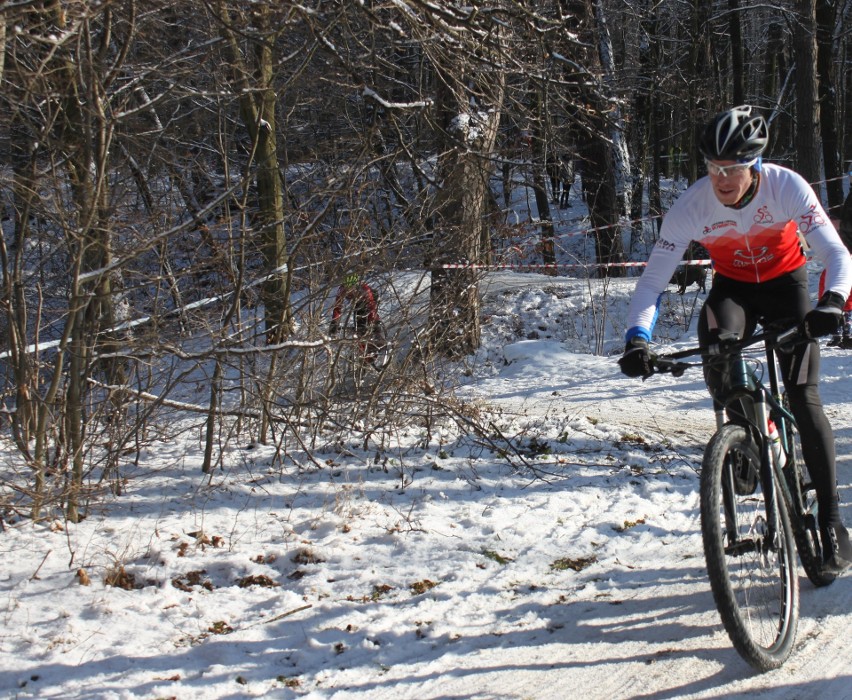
[
  {"x": 764, "y": 403},
  {"x": 765, "y": 400},
  {"x": 757, "y": 390},
  {"x": 755, "y": 509}
]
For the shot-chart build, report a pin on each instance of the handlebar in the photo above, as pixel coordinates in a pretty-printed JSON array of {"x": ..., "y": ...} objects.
[
  {"x": 665, "y": 365},
  {"x": 782, "y": 341}
]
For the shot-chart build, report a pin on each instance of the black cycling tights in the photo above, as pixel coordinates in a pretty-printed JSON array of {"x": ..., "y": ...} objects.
[{"x": 737, "y": 307}]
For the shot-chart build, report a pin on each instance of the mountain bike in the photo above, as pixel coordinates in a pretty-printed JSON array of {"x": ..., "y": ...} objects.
[{"x": 756, "y": 500}]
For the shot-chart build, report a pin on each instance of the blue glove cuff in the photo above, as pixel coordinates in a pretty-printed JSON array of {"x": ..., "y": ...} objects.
[{"x": 637, "y": 332}]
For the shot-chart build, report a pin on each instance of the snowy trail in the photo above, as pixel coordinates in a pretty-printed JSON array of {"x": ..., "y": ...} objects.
[
  {"x": 450, "y": 568},
  {"x": 660, "y": 637}
]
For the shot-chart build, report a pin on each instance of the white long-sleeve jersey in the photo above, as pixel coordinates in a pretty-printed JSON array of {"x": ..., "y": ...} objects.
[{"x": 754, "y": 244}]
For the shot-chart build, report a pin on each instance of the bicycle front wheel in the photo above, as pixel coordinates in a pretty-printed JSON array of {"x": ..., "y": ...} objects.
[{"x": 748, "y": 547}]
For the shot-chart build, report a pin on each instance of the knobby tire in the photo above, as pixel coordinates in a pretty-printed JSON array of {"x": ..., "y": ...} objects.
[
  {"x": 752, "y": 574},
  {"x": 805, "y": 530}
]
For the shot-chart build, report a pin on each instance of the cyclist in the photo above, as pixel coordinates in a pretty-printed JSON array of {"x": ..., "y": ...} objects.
[
  {"x": 843, "y": 337},
  {"x": 749, "y": 215},
  {"x": 365, "y": 315}
]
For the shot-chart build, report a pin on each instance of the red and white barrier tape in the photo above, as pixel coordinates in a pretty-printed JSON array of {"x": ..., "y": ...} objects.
[{"x": 553, "y": 266}]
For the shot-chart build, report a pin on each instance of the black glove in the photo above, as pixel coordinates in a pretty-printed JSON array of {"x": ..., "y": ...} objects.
[
  {"x": 636, "y": 361},
  {"x": 332, "y": 329},
  {"x": 825, "y": 318}
]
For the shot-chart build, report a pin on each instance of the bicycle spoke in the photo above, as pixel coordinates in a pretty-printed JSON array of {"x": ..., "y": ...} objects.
[
  {"x": 805, "y": 529},
  {"x": 750, "y": 556}
]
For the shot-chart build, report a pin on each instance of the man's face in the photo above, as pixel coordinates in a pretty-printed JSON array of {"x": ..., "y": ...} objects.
[{"x": 730, "y": 179}]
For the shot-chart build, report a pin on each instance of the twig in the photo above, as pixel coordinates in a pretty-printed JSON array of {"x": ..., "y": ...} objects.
[
  {"x": 281, "y": 616},
  {"x": 35, "y": 577},
  {"x": 511, "y": 445}
]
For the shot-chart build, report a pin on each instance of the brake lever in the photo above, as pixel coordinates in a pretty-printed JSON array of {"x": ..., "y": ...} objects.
[{"x": 667, "y": 366}]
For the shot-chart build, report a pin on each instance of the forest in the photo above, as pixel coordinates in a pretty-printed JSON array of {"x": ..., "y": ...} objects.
[{"x": 186, "y": 184}]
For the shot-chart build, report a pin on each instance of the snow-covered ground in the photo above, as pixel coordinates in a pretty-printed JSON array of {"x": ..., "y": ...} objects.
[{"x": 558, "y": 556}]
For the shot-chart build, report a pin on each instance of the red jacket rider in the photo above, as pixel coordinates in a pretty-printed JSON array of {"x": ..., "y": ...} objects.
[{"x": 365, "y": 308}]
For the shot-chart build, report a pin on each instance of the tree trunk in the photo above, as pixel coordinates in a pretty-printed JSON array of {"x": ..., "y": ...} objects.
[
  {"x": 599, "y": 186},
  {"x": 640, "y": 127},
  {"x": 2, "y": 45},
  {"x": 738, "y": 73},
  {"x": 23, "y": 152},
  {"x": 699, "y": 82},
  {"x": 826, "y": 13},
  {"x": 619, "y": 154},
  {"x": 599, "y": 141},
  {"x": 461, "y": 203},
  {"x": 257, "y": 109},
  {"x": 807, "y": 106},
  {"x": 777, "y": 84},
  {"x": 539, "y": 185},
  {"x": 844, "y": 102}
]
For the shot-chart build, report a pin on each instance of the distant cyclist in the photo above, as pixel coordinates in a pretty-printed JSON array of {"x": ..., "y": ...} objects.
[
  {"x": 749, "y": 216},
  {"x": 844, "y": 338},
  {"x": 365, "y": 315}
]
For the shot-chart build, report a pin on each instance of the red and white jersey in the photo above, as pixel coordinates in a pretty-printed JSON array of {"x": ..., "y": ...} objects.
[{"x": 754, "y": 244}]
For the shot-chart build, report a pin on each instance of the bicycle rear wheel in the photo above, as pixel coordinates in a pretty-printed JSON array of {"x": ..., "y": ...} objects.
[{"x": 749, "y": 550}]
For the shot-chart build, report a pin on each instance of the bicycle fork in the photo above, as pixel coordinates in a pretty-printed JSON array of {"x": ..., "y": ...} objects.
[
  {"x": 767, "y": 470},
  {"x": 764, "y": 532}
]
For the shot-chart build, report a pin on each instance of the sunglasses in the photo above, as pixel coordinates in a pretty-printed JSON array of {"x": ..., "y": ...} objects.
[{"x": 725, "y": 170}]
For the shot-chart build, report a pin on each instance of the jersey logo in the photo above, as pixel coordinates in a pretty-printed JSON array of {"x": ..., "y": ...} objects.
[
  {"x": 716, "y": 225},
  {"x": 811, "y": 220},
  {"x": 763, "y": 216},
  {"x": 752, "y": 257}
]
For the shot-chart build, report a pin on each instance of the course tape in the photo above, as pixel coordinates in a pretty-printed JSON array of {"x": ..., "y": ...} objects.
[{"x": 553, "y": 266}]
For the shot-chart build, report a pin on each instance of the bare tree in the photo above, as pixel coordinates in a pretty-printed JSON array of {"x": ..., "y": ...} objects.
[
  {"x": 205, "y": 173},
  {"x": 469, "y": 97},
  {"x": 598, "y": 152},
  {"x": 807, "y": 103},
  {"x": 254, "y": 74},
  {"x": 826, "y": 15},
  {"x": 738, "y": 73},
  {"x": 65, "y": 111},
  {"x": 644, "y": 100}
]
